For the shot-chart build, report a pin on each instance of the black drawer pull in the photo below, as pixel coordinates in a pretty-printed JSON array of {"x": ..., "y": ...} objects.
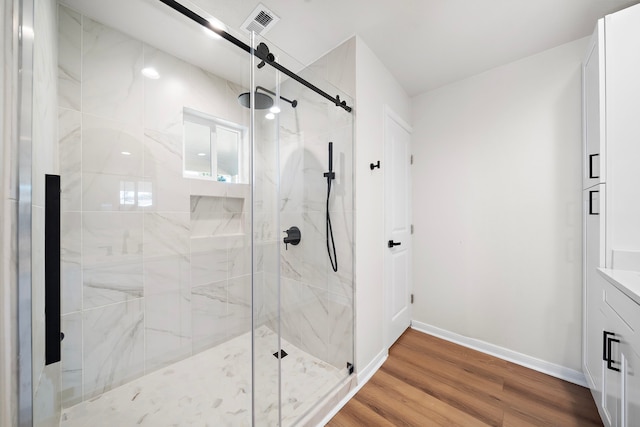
[
  {"x": 606, "y": 348},
  {"x": 591, "y": 175},
  {"x": 591, "y": 204}
]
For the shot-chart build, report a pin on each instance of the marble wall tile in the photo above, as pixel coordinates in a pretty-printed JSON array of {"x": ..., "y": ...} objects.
[
  {"x": 112, "y": 85},
  {"x": 70, "y": 152},
  {"x": 71, "y": 348},
  {"x": 269, "y": 311},
  {"x": 113, "y": 346},
  {"x": 69, "y": 58},
  {"x": 112, "y": 257},
  {"x": 310, "y": 116},
  {"x": 167, "y": 328},
  {"x": 107, "y": 192},
  {"x": 240, "y": 256},
  {"x": 341, "y": 68},
  {"x": 239, "y": 309},
  {"x": 209, "y": 260},
  {"x": 212, "y": 95},
  {"x": 210, "y": 320},
  {"x": 166, "y": 233},
  {"x": 163, "y": 168},
  {"x": 289, "y": 305},
  {"x": 71, "y": 261},
  {"x": 108, "y": 284},
  {"x": 307, "y": 262},
  {"x": 292, "y": 175},
  {"x": 105, "y": 144},
  {"x": 209, "y": 217},
  {"x": 184, "y": 85},
  {"x": 341, "y": 282},
  {"x": 341, "y": 327},
  {"x": 342, "y": 187},
  {"x": 167, "y": 274},
  {"x": 165, "y": 98},
  {"x": 316, "y": 163},
  {"x": 313, "y": 319}
]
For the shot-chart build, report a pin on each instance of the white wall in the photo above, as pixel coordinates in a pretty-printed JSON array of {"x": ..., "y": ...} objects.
[
  {"x": 375, "y": 88},
  {"x": 496, "y": 206}
]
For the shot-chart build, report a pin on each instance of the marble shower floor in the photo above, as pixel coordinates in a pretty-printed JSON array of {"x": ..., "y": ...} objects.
[{"x": 213, "y": 388}]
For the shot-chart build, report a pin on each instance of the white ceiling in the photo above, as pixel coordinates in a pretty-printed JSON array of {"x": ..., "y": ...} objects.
[{"x": 424, "y": 43}]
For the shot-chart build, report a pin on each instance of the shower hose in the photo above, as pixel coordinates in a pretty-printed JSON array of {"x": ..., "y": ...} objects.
[{"x": 331, "y": 244}]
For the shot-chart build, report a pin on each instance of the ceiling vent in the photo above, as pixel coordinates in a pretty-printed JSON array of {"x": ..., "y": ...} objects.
[{"x": 260, "y": 20}]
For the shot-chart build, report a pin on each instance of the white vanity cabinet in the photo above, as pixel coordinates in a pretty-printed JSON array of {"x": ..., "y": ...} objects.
[
  {"x": 620, "y": 404},
  {"x": 611, "y": 216}
]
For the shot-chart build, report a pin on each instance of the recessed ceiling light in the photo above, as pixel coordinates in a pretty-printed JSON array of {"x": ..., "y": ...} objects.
[
  {"x": 125, "y": 153},
  {"x": 150, "y": 73},
  {"x": 270, "y": 116}
]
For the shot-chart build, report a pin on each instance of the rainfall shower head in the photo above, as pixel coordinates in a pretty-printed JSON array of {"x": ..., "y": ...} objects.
[{"x": 262, "y": 101}]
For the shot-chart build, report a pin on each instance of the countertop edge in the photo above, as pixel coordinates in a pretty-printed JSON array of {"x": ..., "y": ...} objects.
[{"x": 627, "y": 281}]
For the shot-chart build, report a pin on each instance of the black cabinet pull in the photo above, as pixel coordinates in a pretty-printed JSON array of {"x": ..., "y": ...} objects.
[
  {"x": 591, "y": 211},
  {"x": 391, "y": 244},
  {"x": 591, "y": 156},
  {"x": 606, "y": 350}
]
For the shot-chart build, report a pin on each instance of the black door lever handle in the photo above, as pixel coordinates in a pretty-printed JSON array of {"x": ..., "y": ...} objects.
[{"x": 392, "y": 244}]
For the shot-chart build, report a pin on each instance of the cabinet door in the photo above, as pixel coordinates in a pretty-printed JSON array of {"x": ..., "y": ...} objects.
[
  {"x": 621, "y": 381},
  {"x": 611, "y": 371},
  {"x": 623, "y": 126},
  {"x": 593, "y": 109},
  {"x": 630, "y": 387},
  {"x": 592, "y": 287}
]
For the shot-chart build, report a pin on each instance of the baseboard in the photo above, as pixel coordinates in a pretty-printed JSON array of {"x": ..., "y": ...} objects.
[
  {"x": 365, "y": 374},
  {"x": 539, "y": 365},
  {"x": 363, "y": 377}
]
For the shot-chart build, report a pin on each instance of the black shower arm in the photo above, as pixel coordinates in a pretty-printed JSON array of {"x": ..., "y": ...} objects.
[
  {"x": 293, "y": 103},
  {"x": 264, "y": 56}
]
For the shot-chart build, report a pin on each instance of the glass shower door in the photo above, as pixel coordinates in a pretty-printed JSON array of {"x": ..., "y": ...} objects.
[
  {"x": 303, "y": 305},
  {"x": 267, "y": 235},
  {"x": 154, "y": 158}
]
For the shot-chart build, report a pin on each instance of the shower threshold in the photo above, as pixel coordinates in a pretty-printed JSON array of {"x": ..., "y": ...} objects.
[{"x": 214, "y": 388}]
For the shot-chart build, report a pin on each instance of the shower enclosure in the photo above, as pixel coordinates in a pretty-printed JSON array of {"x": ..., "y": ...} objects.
[{"x": 196, "y": 283}]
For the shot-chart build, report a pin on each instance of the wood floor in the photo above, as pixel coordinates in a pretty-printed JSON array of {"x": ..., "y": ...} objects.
[{"x": 427, "y": 381}]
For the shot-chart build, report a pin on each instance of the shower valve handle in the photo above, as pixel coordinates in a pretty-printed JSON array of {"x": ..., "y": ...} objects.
[{"x": 293, "y": 236}]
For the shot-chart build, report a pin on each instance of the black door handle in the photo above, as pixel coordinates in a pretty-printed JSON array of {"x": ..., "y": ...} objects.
[{"x": 392, "y": 244}]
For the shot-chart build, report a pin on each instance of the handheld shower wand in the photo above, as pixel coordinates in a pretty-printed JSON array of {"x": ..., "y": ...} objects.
[{"x": 331, "y": 244}]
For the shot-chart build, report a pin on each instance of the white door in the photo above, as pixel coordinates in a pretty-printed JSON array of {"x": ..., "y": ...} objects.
[{"x": 397, "y": 211}]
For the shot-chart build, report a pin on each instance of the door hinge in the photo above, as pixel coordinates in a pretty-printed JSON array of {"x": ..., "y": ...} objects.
[
  {"x": 411, "y": 298},
  {"x": 412, "y": 159},
  {"x": 411, "y": 228}
]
